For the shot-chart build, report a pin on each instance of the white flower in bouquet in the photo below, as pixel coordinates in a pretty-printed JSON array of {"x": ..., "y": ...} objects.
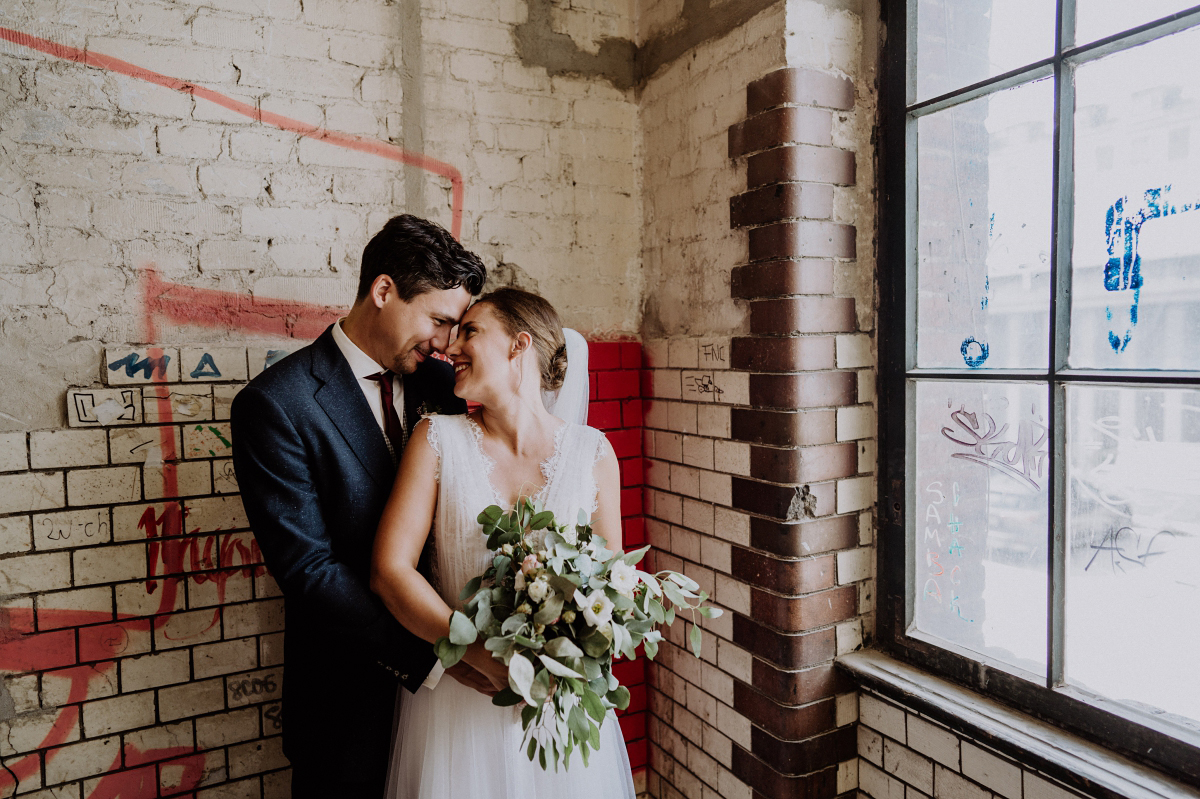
[
  {"x": 597, "y": 608},
  {"x": 623, "y": 578},
  {"x": 539, "y": 589}
]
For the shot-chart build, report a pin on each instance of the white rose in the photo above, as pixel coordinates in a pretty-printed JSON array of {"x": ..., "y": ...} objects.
[
  {"x": 623, "y": 578},
  {"x": 539, "y": 589},
  {"x": 570, "y": 535},
  {"x": 597, "y": 608},
  {"x": 519, "y": 581}
]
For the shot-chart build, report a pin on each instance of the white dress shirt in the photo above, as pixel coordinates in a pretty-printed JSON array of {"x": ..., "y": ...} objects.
[{"x": 363, "y": 366}]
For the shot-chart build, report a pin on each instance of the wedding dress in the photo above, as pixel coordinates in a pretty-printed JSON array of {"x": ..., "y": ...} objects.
[{"x": 451, "y": 741}]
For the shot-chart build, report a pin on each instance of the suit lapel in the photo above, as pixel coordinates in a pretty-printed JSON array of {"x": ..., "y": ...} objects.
[{"x": 343, "y": 401}]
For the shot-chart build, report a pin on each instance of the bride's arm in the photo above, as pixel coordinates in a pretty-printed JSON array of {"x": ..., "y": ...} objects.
[
  {"x": 607, "y": 521},
  {"x": 399, "y": 541}
]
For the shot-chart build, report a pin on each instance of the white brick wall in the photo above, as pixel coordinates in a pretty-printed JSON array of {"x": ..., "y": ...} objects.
[{"x": 904, "y": 754}]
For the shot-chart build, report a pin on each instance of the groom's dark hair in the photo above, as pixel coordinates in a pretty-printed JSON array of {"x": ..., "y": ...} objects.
[{"x": 419, "y": 256}]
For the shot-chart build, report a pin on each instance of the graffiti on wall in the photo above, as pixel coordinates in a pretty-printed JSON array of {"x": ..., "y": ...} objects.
[{"x": 80, "y": 647}]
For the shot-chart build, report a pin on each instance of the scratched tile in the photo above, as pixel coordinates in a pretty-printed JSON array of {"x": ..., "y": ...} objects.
[
  {"x": 144, "y": 444},
  {"x": 178, "y": 403}
]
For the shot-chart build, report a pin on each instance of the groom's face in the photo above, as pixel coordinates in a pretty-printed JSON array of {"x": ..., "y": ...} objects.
[{"x": 412, "y": 331}]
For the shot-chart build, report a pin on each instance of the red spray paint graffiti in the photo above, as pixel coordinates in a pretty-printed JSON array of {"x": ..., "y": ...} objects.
[
  {"x": 348, "y": 141},
  {"x": 79, "y": 645}
]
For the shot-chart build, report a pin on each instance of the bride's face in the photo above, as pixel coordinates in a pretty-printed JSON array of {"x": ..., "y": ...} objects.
[{"x": 483, "y": 356}]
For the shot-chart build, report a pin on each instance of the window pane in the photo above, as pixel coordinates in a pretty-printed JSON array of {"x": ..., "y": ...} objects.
[
  {"x": 983, "y": 231},
  {"x": 1095, "y": 19},
  {"x": 960, "y": 42},
  {"x": 1133, "y": 574},
  {"x": 1135, "y": 281},
  {"x": 982, "y": 457}
]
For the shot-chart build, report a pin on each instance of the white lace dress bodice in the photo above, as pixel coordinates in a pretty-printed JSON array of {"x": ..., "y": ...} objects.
[
  {"x": 465, "y": 488},
  {"x": 451, "y": 741}
]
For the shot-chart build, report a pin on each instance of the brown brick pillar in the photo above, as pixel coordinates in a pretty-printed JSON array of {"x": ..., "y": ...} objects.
[{"x": 795, "y": 389}]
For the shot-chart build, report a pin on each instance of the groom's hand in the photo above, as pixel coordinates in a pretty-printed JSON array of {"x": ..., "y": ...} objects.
[{"x": 471, "y": 677}]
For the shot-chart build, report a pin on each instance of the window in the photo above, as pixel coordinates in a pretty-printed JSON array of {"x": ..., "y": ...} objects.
[{"x": 1040, "y": 359}]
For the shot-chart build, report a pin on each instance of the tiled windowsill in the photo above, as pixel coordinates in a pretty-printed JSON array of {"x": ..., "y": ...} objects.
[{"x": 1036, "y": 745}]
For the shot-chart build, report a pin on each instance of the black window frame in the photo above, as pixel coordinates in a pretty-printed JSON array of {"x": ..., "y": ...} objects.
[{"x": 1115, "y": 726}]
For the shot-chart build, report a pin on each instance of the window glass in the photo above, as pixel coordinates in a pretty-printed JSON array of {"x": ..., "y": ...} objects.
[
  {"x": 983, "y": 231},
  {"x": 982, "y": 458},
  {"x": 960, "y": 42},
  {"x": 1135, "y": 280},
  {"x": 1133, "y": 573},
  {"x": 1095, "y": 19}
]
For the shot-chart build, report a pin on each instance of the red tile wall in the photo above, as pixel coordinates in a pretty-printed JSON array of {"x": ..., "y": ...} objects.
[{"x": 616, "y": 408}]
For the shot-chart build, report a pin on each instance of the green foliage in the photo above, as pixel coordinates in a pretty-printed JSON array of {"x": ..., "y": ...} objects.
[{"x": 557, "y": 607}]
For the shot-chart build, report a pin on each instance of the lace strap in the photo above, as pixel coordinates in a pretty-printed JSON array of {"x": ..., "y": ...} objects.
[
  {"x": 433, "y": 436},
  {"x": 603, "y": 447}
]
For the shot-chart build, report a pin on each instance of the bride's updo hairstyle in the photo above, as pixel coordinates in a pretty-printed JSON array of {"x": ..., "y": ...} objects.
[{"x": 523, "y": 312}]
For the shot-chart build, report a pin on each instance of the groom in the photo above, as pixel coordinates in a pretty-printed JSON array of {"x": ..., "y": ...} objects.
[{"x": 316, "y": 441}]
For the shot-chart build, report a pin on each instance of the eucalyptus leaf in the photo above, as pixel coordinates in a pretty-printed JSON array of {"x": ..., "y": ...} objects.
[
  {"x": 540, "y": 689},
  {"x": 448, "y": 653},
  {"x": 592, "y": 704},
  {"x": 578, "y": 723},
  {"x": 619, "y": 696},
  {"x": 635, "y": 557},
  {"x": 470, "y": 588},
  {"x": 563, "y": 647},
  {"x": 650, "y": 648},
  {"x": 556, "y": 668},
  {"x": 684, "y": 582},
  {"x": 551, "y": 609},
  {"x": 531, "y": 750},
  {"x": 513, "y": 623},
  {"x": 674, "y": 594},
  {"x": 489, "y": 515},
  {"x": 694, "y": 639},
  {"x": 582, "y": 518},
  {"x": 507, "y": 698},
  {"x": 462, "y": 629},
  {"x": 594, "y": 735},
  {"x": 520, "y": 677},
  {"x": 541, "y": 520},
  {"x": 591, "y": 668}
]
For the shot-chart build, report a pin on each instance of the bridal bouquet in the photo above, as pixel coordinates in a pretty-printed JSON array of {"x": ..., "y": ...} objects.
[{"x": 557, "y": 606}]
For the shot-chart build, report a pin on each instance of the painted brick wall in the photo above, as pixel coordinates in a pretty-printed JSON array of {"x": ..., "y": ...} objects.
[
  {"x": 904, "y": 755},
  {"x": 760, "y": 422},
  {"x": 254, "y": 147},
  {"x": 616, "y": 408},
  {"x": 142, "y": 637}
]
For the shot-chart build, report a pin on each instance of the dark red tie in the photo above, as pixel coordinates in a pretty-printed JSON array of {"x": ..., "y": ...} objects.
[{"x": 391, "y": 421}]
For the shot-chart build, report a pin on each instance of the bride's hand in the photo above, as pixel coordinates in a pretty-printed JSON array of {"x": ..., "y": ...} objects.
[
  {"x": 471, "y": 677},
  {"x": 493, "y": 670}
]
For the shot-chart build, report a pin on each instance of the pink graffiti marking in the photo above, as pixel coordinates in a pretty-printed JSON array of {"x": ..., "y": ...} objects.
[
  {"x": 67, "y": 640},
  {"x": 349, "y": 141}
]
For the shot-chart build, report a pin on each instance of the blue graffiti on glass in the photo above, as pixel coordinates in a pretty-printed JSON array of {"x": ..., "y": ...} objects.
[
  {"x": 974, "y": 352},
  {"x": 1123, "y": 272}
]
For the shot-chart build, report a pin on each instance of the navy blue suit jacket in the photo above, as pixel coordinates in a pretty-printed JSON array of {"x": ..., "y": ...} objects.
[{"x": 314, "y": 473}]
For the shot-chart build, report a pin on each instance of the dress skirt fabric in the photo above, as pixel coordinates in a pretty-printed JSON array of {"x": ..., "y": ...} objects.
[{"x": 455, "y": 743}]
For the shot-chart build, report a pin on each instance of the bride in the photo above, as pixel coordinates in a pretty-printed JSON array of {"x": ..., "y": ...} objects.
[{"x": 451, "y": 740}]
